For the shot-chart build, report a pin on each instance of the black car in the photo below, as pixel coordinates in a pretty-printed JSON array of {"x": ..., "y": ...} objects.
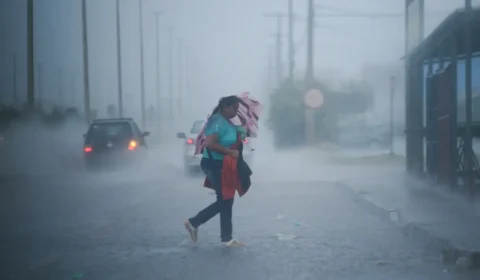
[{"x": 113, "y": 141}]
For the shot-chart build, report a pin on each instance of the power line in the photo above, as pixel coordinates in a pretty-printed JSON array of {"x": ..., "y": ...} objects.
[
  {"x": 343, "y": 31},
  {"x": 339, "y": 12},
  {"x": 332, "y": 8},
  {"x": 363, "y": 15}
]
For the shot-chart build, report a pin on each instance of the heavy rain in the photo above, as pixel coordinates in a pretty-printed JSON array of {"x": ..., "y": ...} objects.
[{"x": 110, "y": 111}]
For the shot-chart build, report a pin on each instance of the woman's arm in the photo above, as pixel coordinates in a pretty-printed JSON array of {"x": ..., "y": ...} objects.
[{"x": 211, "y": 142}]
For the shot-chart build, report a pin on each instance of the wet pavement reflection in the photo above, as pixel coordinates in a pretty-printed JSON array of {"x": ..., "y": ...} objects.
[{"x": 131, "y": 227}]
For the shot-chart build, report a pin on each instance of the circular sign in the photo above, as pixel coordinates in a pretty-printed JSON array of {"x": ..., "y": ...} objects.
[{"x": 313, "y": 99}]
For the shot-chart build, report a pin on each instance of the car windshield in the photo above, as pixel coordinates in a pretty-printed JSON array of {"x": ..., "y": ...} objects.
[
  {"x": 197, "y": 126},
  {"x": 120, "y": 130}
]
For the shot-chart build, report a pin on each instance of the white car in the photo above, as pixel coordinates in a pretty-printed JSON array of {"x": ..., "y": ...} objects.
[{"x": 191, "y": 162}]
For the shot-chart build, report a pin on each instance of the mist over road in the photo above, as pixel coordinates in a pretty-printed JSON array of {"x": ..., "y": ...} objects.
[{"x": 296, "y": 221}]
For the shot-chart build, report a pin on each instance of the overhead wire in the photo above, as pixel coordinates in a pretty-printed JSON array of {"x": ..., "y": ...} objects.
[
  {"x": 343, "y": 12},
  {"x": 340, "y": 12}
]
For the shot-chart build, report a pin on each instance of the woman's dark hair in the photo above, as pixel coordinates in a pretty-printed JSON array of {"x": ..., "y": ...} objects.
[{"x": 226, "y": 102}]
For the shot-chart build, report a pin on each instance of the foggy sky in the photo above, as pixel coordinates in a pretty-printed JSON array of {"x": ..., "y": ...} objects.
[{"x": 228, "y": 45}]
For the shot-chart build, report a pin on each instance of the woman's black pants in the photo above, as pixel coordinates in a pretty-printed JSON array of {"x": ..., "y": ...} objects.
[{"x": 213, "y": 171}]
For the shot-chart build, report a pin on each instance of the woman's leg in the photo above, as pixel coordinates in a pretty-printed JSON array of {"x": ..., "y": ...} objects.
[
  {"x": 226, "y": 227},
  {"x": 226, "y": 224},
  {"x": 213, "y": 171}
]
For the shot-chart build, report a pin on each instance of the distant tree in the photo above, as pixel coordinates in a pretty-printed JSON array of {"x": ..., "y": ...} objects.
[
  {"x": 287, "y": 115},
  {"x": 287, "y": 110},
  {"x": 356, "y": 97}
]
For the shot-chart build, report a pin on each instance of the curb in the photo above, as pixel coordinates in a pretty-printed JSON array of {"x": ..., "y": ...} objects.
[{"x": 457, "y": 255}]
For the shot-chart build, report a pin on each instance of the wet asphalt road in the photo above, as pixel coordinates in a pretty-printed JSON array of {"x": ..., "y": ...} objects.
[{"x": 122, "y": 225}]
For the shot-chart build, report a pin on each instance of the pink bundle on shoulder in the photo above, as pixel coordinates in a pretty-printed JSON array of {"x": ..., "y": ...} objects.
[{"x": 248, "y": 115}]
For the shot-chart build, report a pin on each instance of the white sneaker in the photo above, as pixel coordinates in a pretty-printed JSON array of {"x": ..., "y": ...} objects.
[
  {"x": 233, "y": 243},
  {"x": 192, "y": 231}
]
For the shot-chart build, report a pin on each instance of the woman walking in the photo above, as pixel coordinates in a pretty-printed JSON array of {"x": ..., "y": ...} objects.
[{"x": 222, "y": 148}]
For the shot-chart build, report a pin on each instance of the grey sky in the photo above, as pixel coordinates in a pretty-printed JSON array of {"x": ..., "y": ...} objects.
[{"x": 228, "y": 44}]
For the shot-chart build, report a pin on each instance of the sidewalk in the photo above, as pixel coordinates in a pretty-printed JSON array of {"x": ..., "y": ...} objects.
[{"x": 445, "y": 221}]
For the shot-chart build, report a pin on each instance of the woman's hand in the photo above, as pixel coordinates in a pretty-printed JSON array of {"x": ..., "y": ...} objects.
[{"x": 233, "y": 153}]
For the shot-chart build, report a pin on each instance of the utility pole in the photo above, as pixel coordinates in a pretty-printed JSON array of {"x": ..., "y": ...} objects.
[
  {"x": 39, "y": 84},
  {"x": 180, "y": 76},
  {"x": 158, "y": 82},
  {"x": 142, "y": 70},
  {"x": 119, "y": 62},
  {"x": 279, "y": 51},
  {"x": 279, "y": 47},
  {"x": 468, "y": 98},
  {"x": 86, "y": 79},
  {"x": 392, "y": 92},
  {"x": 72, "y": 89},
  {"x": 186, "y": 71},
  {"x": 270, "y": 70},
  {"x": 170, "y": 73},
  {"x": 60, "y": 87},
  {"x": 310, "y": 42},
  {"x": 30, "y": 58},
  {"x": 15, "y": 100},
  {"x": 291, "y": 50},
  {"x": 309, "y": 78}
]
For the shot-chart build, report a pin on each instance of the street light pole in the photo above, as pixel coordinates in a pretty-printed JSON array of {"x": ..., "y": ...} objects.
[
  {"x": 142, "y": 70},
  {"x": 119, "y": 62}
]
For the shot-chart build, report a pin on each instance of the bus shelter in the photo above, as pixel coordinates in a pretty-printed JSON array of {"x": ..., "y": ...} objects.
[{"x": 437, "y": 86}]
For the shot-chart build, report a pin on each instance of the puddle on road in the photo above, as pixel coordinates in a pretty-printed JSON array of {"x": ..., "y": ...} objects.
[
  {"x": 285, "y": 237},
  {"x": 394, "y": 216},
  {"x": 168, "y": 250}
]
